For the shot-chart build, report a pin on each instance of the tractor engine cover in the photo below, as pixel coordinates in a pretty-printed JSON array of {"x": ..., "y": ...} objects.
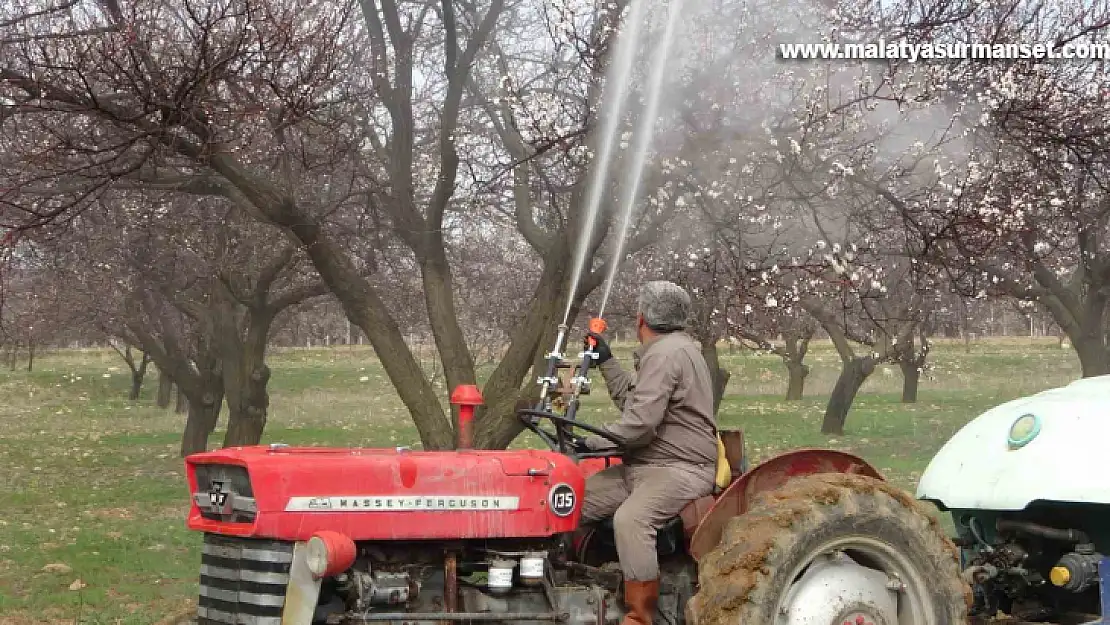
[
  {"x": 289, "y": 493},
  {"x": 1045, "y": 447}
]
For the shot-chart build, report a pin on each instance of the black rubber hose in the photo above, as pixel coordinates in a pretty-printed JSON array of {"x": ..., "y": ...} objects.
[{"x": 1051, "y": 533}]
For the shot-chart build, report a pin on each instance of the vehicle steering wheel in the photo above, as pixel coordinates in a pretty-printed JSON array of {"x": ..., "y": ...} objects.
[{"x": 529, "y": 416}]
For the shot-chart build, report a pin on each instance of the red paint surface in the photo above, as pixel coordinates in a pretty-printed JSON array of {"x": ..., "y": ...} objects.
[
  {"x": 341, "y": 552},
  {"x": 467, "y": 397},
  {"x": 407, "y": 470},
  {"x": 277, "y": 475}
]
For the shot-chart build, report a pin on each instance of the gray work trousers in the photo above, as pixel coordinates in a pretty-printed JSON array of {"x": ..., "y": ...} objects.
[{"x": 641, "y": 499}]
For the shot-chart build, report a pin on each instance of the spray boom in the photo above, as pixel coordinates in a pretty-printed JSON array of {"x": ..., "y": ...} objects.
[
  {"x": 581, "y": 381},
  {"x": 551, "y": 386},
  {"x": 550, "y": 380}
]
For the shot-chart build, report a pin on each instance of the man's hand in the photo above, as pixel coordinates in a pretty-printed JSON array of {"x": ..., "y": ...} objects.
[
  {"x": 580, "y": 445},
  {"x": 601, "y": 349},
  {"x": 594, "y": 442}
]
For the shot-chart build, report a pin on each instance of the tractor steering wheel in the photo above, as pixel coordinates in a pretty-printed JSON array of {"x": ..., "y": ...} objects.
[{"x": 530, "y": 416}]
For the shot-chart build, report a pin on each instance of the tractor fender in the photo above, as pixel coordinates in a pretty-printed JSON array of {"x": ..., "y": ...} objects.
[{"x": 767, "y": 476}]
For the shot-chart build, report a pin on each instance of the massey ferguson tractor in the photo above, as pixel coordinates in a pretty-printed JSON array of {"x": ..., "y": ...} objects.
[
  {"x": 1031, "y": 506},
  {"x": 300, "y": 536}
]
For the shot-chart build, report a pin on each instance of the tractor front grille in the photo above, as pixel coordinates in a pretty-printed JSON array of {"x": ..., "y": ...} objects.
[
  {"x": 224, "y": 493},
  {"x": 243, "y": 580}
]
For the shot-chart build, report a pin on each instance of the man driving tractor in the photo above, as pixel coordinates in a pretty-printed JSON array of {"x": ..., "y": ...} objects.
[{"x": 669, "y": 430}]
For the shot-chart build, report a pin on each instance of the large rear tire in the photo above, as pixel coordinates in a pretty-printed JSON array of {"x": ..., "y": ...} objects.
[{"x": 830, "y": 549}]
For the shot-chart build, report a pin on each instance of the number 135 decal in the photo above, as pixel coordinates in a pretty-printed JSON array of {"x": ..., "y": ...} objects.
[{"x": 562, "y": 500}]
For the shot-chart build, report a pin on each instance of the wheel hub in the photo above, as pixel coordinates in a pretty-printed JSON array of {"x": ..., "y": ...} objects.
[
  {"x": 835, "y": 590},
  {"x": 856, "y": 617}
]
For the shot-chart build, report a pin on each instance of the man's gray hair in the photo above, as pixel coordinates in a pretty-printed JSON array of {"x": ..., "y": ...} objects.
[{"x": 664, "y": 305}]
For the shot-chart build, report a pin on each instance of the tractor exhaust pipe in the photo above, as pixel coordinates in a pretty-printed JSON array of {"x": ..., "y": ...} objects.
[{"x": 466, "y": 397}]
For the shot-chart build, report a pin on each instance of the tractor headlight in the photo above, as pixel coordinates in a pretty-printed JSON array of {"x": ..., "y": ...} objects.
[
  {"x": 1024, "y": 430},
  {"x": 329, "y": 553},
  {"x": 316, "y": 556}
]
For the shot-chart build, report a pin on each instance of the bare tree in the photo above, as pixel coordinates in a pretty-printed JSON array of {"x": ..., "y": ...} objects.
[
  {"x": 138, "y": 369},
  {"x": 197, "y": 294},
  {"x": 393, "y": 157}
]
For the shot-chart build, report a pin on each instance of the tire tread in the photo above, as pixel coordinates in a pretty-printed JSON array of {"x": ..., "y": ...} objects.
[{"x": 736, "y": 579}]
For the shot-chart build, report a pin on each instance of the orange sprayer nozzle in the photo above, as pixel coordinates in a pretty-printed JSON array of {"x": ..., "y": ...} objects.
[{"x": 597, "y": 325}]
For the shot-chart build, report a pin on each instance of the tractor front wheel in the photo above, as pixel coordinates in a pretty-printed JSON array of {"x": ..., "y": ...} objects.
[{"x": 831, "y": 549}]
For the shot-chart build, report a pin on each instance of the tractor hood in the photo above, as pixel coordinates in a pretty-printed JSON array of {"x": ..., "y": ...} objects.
[
  {"x": 1046, "y": 447},
  {"x": 383, "y": 494}
]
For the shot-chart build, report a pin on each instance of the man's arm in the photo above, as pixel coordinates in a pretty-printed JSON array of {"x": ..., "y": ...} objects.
[
  {"x": 618, "y": 381},
  {"x": 644, "y": 405}
]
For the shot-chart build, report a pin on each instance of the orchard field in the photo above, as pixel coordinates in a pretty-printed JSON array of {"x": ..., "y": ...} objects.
[{"x": 93, "y": 491}]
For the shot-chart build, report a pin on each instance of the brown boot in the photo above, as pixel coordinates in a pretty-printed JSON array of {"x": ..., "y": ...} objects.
[{"x": 640, "y": 599}]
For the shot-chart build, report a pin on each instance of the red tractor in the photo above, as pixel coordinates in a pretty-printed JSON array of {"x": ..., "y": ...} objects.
[{"x": 299, "y": 536}]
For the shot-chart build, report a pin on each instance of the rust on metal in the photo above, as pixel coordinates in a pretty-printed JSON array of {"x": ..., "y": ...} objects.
[{"x": 451, "y": 582}]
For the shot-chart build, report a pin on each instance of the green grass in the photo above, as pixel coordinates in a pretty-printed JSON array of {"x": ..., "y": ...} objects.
[{"x": 92, "y": 481}]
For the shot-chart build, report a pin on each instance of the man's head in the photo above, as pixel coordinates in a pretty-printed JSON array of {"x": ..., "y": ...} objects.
[{"x": 663, "y": 307}]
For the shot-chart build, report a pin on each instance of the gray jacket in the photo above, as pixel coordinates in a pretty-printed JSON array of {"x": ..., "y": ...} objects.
[{"x": 666, "y": 404}]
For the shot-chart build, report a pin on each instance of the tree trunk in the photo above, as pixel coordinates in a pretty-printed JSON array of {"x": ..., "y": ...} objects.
[
  {"x": 496, "y": 426},
  {"x": 439, "y": 300},
  {"x": 136, "y": 386},
  {"x": 197, "y": 376},
  {"x": 30, "y": 357},
  {"x": 718, "y": 374},
  {"x": 853, "y": 374},
  {"x": 794, "y": 354},
  {"x": 1081, "y": 313},
  {"x": 911, "y": 377},
  {"x": 366, "y": 309},
  {"x": 965, "y": 324},
  {"x": 205, "y": 398},
  {"x": 797, "y": 384},
  {"x": 137, "y": 376},
  {"x": 1092, "y": 355},
  {"x": 245, "y": 374},
  {"x": 200, "y": 424},
  {"x": 165, "y": 390},
  {"x": 181, "y": 406},
  {"x": 247, "y": 406},
  {"x": 911, "y": 361}
]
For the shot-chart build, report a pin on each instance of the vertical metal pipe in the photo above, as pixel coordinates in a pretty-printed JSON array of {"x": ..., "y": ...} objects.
[
  {"x": 466, "y": 397},
  {"x": 451, "y": 582}
]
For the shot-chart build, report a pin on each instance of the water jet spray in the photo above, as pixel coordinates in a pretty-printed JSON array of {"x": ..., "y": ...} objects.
[
  {"x": 551, "y": 385},
  {"x": 635, "y": 173},
  {"x": 619, "y": 75}
]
